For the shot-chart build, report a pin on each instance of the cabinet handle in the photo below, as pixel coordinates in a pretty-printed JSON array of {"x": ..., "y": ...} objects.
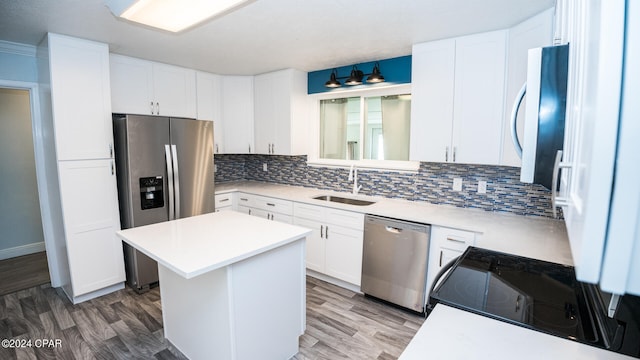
[
  {"x": 112, "y": 169},
  {"x": 451, "y": 238},
  {"x": 454, "y": 154},
  {"x": 249, "y": 148},
  {"x": 271, "y": 204},
  {"x": 326, "y": 232},
  {"x": 446, "y": 153},
  {"x": 244, "y": 199},
  {"x": 217, "y": 151},
  {"x": 152, "y": 108},
  {"x": 223, "y": 200},
  {"x": 157, "y": 108},
  {"x": 321, "y": 232},
  {"x": 440, "y": 262},
  {"x": 518, "y": 303},
  {"x": 249, "y": 211},
  {"x": 110, "y": 150}
]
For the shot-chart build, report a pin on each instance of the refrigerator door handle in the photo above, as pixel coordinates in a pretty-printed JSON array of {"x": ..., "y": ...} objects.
[
  {"x": 176, "y": 180},
  {"x": 169, "y": 163}
]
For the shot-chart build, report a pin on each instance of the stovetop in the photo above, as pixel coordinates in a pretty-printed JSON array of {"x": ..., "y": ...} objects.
[{"x": 540, "y": 295}]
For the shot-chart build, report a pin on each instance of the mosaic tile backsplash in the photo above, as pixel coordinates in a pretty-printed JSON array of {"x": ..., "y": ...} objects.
[{"x": 432, "y": 183}]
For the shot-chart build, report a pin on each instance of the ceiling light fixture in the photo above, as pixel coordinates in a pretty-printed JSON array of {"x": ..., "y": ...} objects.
[
  {"x": 355, "y": 78},
  {"x": 171, "y": 15}
]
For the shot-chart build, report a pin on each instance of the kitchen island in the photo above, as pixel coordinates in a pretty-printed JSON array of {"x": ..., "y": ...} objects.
[{"x": 232, "y": 285}]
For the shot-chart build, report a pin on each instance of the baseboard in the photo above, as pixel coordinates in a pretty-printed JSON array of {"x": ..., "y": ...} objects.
[
  {"x": 334, "y": 281},
  {"x": 21, "y": 250}
]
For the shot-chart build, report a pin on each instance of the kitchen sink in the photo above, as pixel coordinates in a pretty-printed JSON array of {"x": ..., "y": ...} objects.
[{"x": 344, "y": 200}]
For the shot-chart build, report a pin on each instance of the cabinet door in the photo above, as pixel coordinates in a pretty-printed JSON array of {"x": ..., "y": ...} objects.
[
  {"x": 174, "y": 91},
  {"x": 479, "y": 98},
  {"x": 343, "y": 253},
  {"x": 266, "y": 102},
  {"x": 131, "y": 85},
  {"x": 91, "y": 218},
  {"x": 209, "y": 103},
  {"x": 315, "y": 244},
  {"x": 80, "y": 94},
  {"x": 237, "y": 114},
  {"x": 432, "y": 81}
]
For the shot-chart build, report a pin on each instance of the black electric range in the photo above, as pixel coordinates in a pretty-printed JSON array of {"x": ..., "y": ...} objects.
[{"x": 538, "y": 295}]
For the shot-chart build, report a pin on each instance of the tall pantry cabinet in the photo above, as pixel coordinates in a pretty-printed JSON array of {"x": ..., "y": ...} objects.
[{"x": 76, "y": 111}]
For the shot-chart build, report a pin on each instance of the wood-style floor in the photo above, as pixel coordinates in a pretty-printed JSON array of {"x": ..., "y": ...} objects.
[
  {"x": 23, "y": 272},
  {"x": 124, "y": 325}
]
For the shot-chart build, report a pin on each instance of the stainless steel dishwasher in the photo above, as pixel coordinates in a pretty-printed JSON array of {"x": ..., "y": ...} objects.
[{"x": 394, "y": 261}]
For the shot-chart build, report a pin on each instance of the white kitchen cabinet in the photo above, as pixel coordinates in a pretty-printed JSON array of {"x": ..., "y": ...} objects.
[
  {"x": 445, "y": 245},
  {"x": 266, "y": 207},
  {"x": 335, "y": 246},
  {"x": 281, "y": 112},
  {"x": 145, "y": 87},
  {"x": 458, "y": 98},
  {"x": 237, "y": 115},
  {"x": 209, "y": 104},
  {"x": 224, "y": 202},
  {"x": 599, "y": 188},
  {"x": 89, "y": 195},
  {"x": 88, "y": 258},
  {"x": 80, "y": 98}
]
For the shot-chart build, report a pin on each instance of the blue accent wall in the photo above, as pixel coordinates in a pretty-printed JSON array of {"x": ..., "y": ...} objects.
[{"x": 395, "y": 71}]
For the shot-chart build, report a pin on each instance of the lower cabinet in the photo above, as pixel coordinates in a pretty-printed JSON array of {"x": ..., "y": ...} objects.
[
  {"x": 335, "y": 246},
  {"x": 90, "y": 210},
  {"x": 266, "y": 207},
  {"x": 224, "y": 202},
  {"x": 446, "y": 244}
]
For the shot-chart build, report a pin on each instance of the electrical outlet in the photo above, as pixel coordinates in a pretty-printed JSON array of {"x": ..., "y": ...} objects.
[
  {"x": 264, "y": 167},
  {"x": 482, "y": 187},
  {"x": 457, "y": 184}
]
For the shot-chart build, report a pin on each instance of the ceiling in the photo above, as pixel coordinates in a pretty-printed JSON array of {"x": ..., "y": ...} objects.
[{"x": 268, "y": 35}]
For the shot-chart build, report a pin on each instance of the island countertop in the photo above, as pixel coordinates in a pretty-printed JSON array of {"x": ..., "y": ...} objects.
[{"x": 195, "y": 245}]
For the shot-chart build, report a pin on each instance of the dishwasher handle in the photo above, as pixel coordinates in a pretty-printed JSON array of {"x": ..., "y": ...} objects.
[{"x": 393, "y": 229}]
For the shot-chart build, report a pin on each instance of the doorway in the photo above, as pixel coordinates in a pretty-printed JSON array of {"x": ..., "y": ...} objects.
[{"x": 23, "y": 261}]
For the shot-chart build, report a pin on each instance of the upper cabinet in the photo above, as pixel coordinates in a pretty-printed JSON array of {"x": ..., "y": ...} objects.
[
  {"x": 600, "y": 175},
  {"x": 145, "y": 87},
  {"x": 209, "y": 104},
  {"x": 237, "y": 115},
  {"x": 458, "y": 99},
  {"x": 281, "y": 112},
  {"x": 79, "y": 75}
]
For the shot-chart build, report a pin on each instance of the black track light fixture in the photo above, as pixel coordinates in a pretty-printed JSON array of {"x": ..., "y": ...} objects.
[{"x": 355, "y": 78}]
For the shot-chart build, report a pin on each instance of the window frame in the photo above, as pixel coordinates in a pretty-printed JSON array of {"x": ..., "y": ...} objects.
[{"x": 314, "y": 152}]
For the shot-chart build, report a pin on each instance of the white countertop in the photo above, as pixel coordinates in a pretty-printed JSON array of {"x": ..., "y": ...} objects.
[
  {"x": 198, "y": 244},
  {"x": 535, "y": 237},
  {"x": 450, "y": 333}
]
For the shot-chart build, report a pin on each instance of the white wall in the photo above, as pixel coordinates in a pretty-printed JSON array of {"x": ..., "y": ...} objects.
[
  {"x": 534, "y": 32},
  {"x": 18, "y": 62}
]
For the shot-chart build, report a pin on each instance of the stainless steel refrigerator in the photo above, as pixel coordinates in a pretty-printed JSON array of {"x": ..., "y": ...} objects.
[{"x": 165, "y": 172}]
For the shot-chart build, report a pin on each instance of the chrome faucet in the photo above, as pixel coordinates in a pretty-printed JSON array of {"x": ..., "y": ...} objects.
[{"x": 353, "y": 176}]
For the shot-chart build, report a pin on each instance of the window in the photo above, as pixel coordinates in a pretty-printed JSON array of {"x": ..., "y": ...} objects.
[{"x": 374, "y": 127}]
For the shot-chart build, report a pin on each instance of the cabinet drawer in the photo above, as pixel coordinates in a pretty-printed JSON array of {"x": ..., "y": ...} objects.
[
  {"x": 223, "y": 200},
  {"x": 453, "y": 239},
  {"x": 273, "y": 205},
  {"x": 245, "y": 199},
  {"x": 309, "y": 212},
  {"x": 348, "y": 219}
]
